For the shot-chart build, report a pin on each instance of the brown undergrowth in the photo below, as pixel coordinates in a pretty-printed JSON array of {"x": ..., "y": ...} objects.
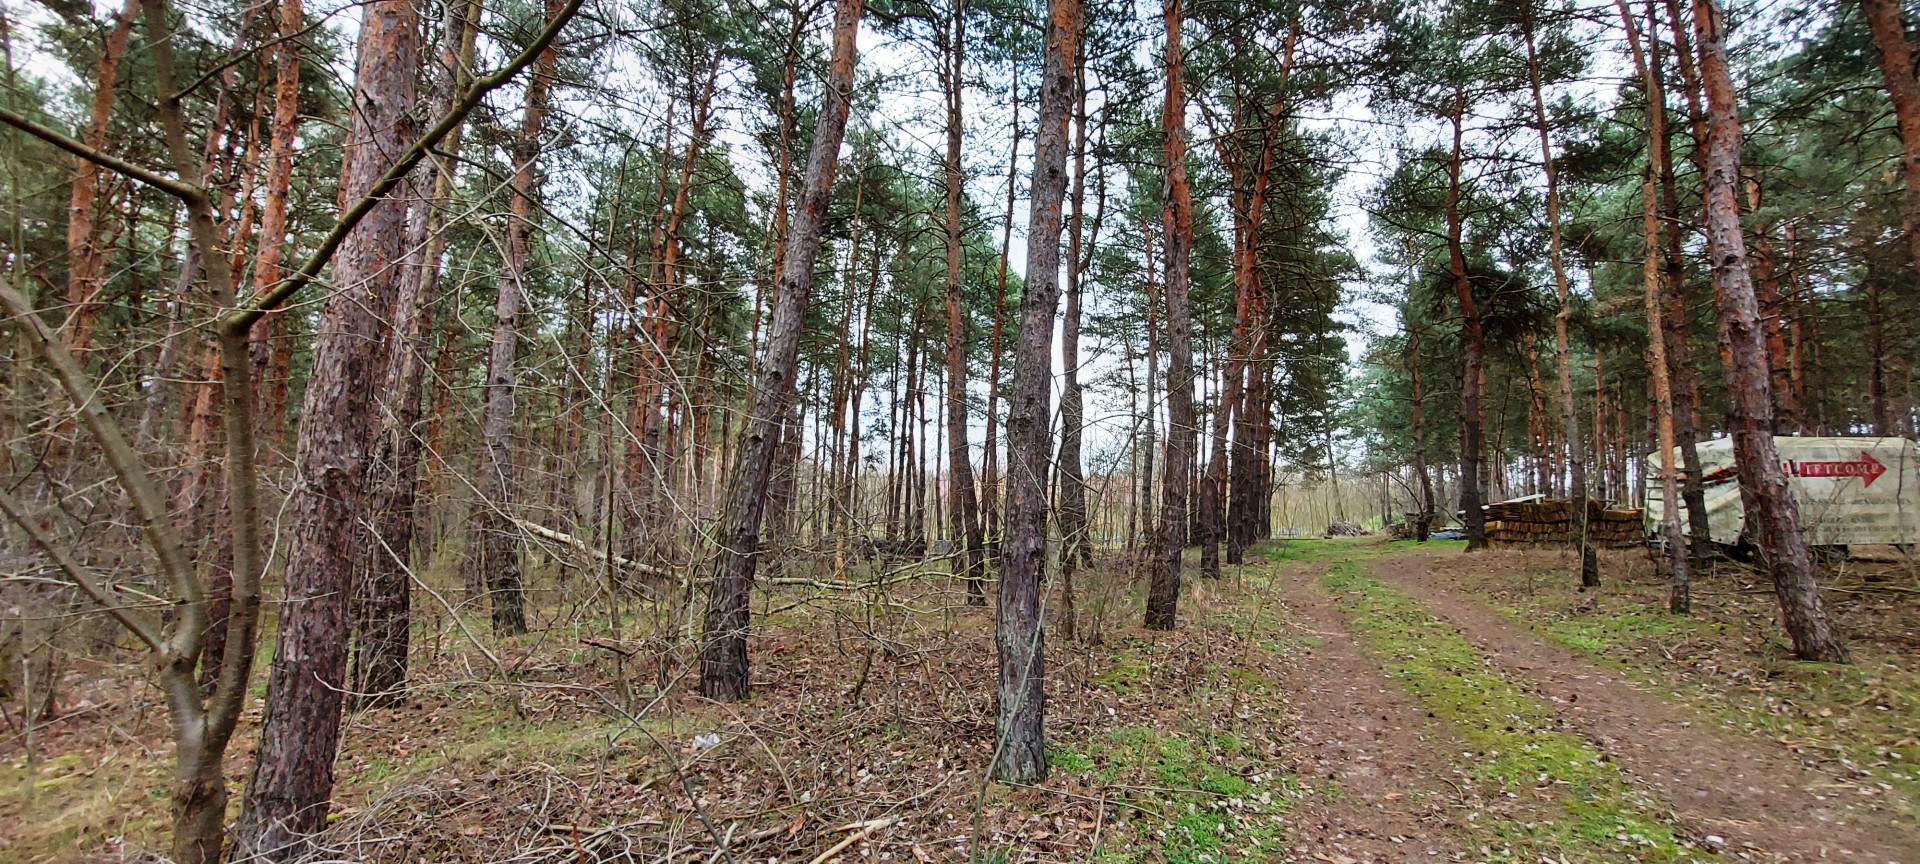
[{"x": 1166, "y": 746}]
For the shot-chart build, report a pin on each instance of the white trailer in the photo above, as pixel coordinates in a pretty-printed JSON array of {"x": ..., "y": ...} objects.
[{"x": 1851, "y": 491}]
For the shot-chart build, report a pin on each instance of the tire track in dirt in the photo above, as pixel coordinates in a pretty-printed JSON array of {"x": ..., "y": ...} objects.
[
  {"x": 1357, "y": 729},
  {"x": 1761, "y": 802}
]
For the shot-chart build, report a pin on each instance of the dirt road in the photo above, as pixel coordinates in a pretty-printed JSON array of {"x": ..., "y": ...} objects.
[{"x": 1732, "y": 793}]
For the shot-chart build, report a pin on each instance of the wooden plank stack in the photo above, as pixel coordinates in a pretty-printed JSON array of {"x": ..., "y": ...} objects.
[
  {"x": 1533, "y": 523},
  {"x": 1616, "y": 528}
]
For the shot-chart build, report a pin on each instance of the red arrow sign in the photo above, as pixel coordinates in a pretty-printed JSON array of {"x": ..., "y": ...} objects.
[{"x": 1866, "y": 468}]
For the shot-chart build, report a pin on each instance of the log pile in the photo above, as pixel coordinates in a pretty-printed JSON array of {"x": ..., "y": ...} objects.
[{"x": 1534, "y": 523}]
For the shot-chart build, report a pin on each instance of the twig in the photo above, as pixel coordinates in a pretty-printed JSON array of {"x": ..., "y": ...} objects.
[
  {"x": 77, "y": 576},
  {"x": 899, "y": 574},
  {"x": 633, "y": 722},
  {"x": 784, "y": 779},
  {"x": 724, "y": 843},
  {"x": 866, "y": 828},
  {"x": 609, "y": 646},
  {"x": 1099, "y": 820},
  {"x": 544, "y": 532},
  {"x": 1100, "y": 800},
  {"x": 498, "y": 668},
  {"x": 241, "y": 320}
]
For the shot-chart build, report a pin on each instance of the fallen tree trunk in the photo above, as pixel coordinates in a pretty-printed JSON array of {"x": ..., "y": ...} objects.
[{"x": 569, "y": 540}]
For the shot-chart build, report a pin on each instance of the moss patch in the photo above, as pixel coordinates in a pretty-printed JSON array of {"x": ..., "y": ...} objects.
[
  {"x": 1518, "y": 749},
  {"x": 1730, "y": 663},
  {"x": 1182, "y": 799}
]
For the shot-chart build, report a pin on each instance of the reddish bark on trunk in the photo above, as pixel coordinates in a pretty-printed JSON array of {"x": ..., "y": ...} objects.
[
  {"x": 1786, "y": 412},
  {"x": 268, "y": 335},
  {"x": 1679, "y": 598},
  {"x": 1163, "y": 594},
  {"x": 1243, "y": 401},
  {"x": 964, "y": 504},
  {"x": 85, "y": 260},
  {"x": 1886, "y": 21},
  {"x": 292, "y": 782},
  {"x": 1562, "y": 342},
  {"x": 1772, "y": 514},
  {"x": 383, "y": 599}
]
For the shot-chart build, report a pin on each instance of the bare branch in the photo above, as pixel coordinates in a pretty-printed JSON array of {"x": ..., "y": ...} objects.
[
  {"x": 240, "y": 320},
  {"x": 126, "y": 463},
  {"x": 546, "y": 533},
  {"x": 78, "y": 576},
  {"x": 183, "y": 191}
]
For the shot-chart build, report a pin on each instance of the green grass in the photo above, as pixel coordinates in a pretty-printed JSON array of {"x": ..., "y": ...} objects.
[
  {"x": 1196, "y": 838},
  {"x": 1313, "y": 549},
  {"x": 1833, "y": 710},
  {"x": 1344, "y": 548},
  {"x": 1070, "y": 761},
  {"x": 1125, "y": 677},
  {"x": 1518, "y": 750},
  {"x": 1182, "y": 804},
  {"x": 1603, "y": 635}
]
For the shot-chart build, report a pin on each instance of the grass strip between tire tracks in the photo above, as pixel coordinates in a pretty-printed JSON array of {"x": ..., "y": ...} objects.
[{"x": 1519, "y": 749}]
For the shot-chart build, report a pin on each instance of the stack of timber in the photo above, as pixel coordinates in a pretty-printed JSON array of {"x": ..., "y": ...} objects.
[{"x": 1533, "y": 523}]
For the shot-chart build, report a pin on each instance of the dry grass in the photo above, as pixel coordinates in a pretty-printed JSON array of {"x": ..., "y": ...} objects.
[{"x": 864, "y": 708}]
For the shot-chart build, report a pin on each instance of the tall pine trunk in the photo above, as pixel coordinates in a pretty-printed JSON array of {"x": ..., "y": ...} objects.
[
  {"x": 1766, "y": 274},
  {"x": 964, "y": 503},
  {"x": 1020, "y": 753},
  {"x": 1163, "y": 594},
  {"x": 1886, "y": 21},
  {"x": 1422, "y": 524},
  {"x": 1233, "y": 480},
  {"x": 990, "y": 461},
  {"x": 267, "y": 264},
  {"x": 86, "y": 261},
  {"x": 1679, "y": 599},
  {"x": 724, "y": 673},
  {"x": 1771, "y": 511},
  {"x": 1075, "y": 551},
  {"x": 1473, "y": 335},
  {"x": 383, "y": 598},
  {"x": 1687, "y": 417},
  {"x": 493, "y": 535},
  {"x": 287, "y": 796},
  {"x": 1679, "y": 596},
  {"x": 1562, "y": 342},
  {"x": 1247, "y": 510},
  {"x": 1150, "y": 446}
]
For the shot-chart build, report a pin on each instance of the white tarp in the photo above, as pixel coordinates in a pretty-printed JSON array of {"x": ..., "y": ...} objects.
[{"x": 1851, "y": 491}]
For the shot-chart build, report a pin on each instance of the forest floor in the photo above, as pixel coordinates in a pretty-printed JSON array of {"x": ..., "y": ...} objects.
[{"x": 1330, "y": 701}]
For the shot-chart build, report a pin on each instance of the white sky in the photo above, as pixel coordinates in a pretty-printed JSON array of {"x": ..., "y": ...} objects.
[{"x": 914, "y": 117}]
